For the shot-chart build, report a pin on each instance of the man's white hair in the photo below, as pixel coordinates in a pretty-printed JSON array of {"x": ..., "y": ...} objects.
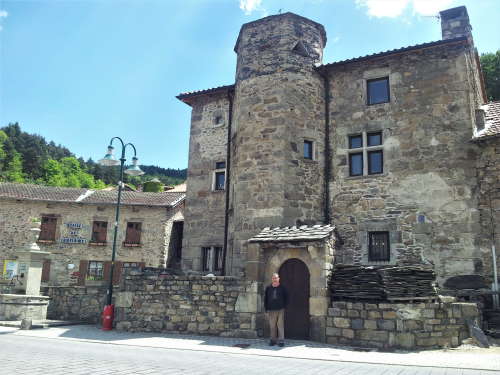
[{"x": 276, "y": 274}]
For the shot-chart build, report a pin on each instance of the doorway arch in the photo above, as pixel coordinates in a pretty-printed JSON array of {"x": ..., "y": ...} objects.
[{"x": 294, "y": 276}]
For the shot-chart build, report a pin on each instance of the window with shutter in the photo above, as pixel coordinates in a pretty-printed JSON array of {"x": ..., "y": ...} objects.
[
  {"x": 48, "y": 229},
  {"x": 99, "y": 232},
  {"x": 133, "y": 234},
  {"x": 95, "y": 270},
  {"x": 46, "y": 271}
]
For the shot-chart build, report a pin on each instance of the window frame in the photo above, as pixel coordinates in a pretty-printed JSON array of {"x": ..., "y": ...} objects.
[
  {"x": 365, "y": 152},
  {"x": 46, "y": 236},
  {"x": 372, "y": 80},
  {"x": 219, "y": 170},
  {"x": 212, "y": 259},
  {"x": 97, "y": 240},
  {"x": 131, "y": 242},
  {"x": 386, "y": 250},
  {"x": 95, "y": 276},
  {"x": 312, "y": 145}
]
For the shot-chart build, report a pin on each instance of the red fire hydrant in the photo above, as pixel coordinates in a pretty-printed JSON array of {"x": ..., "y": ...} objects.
[{"x": 107, "y": 317}]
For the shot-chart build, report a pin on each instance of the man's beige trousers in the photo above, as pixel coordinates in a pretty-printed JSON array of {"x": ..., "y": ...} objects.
[{"x": 277, "y": 324}]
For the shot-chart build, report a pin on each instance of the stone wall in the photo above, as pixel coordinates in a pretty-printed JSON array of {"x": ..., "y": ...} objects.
[
  {"x": 205, "y": 206},
  {"x": 488, "y": 170},
  {"x": 15, "y": 221},
  {"x": 398, "y": 325},
  {"x": 218, "y": 305},
  {"x": 425, "y": 198}
]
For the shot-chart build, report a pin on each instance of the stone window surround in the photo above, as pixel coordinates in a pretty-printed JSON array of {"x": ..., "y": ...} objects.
[
  {"x": 215, "y": 171},
  {"x": 378, "y": 226},
  {"x": 372, "y": 74},
  {"x": 313, "y": 151},
  {"x": 212, "y": 268},
  {"x": 365, "y": 149},
  {"x": 218, "y": 115}
]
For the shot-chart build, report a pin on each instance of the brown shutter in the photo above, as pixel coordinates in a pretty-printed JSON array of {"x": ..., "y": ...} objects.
[
  {"x": 117, "y": 272},
  {"x": 83, "y": 272},
  {"x": 133, "y": 234},
  {"x": 142, "y": 265},
  {"x": 103, "y": 228},
  {"x": 106, "y": 271},
  {"x": 46, "y": 271},
  {"x": 48, "y": 228}
]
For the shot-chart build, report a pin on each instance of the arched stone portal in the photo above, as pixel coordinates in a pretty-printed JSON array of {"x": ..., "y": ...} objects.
[{"x": 295, "y": 277}]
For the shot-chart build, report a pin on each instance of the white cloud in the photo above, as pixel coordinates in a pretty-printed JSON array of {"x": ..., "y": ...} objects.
[
  {"x": 394, "y": 8},
  {"x": 250, "y": 5},
  {"x": 3, "y": 13}
]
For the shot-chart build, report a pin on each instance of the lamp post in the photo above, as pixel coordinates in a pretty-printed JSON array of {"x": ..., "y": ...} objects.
[{"x": 134, "y": 170}]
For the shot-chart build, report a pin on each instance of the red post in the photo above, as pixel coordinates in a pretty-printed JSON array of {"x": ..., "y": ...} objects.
[{"x": 107, "y": 317}]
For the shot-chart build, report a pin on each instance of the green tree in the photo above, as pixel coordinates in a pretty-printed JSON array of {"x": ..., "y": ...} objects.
[
  {"x": 490, "y": 64},
  {"x": 3, "y": 154},
  {"x": 14, "y": 168}
]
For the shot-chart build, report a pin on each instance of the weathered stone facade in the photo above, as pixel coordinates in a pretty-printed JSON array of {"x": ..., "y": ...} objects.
[
  {"x": 155, "y": 302},
  {"x": 65, "y": 257},
  {"x": 293, "y": 127},
  {"x": 406, "y": 326}
]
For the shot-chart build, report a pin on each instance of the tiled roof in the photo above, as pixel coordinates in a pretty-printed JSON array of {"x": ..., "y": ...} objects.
[
  {"x": 491, "y": 122},
  {"x": 78, "y": 195},
  {"x": 185, "y": 96},
  {"x": 394, "y": 51},
  {"x": 289, "y": 234}
]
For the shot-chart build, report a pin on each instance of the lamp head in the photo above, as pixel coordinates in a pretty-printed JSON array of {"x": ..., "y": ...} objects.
[
  {"x": 109, "y": 159},
  {"x": 134, "y": 169}
]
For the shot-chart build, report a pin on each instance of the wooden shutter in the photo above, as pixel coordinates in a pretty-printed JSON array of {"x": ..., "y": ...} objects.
[
  {"x": 48, "y": 228},
  {"x": 99, "y": 231},
  {"x": 83, "y": 272},
  {"x": 142, "y": 265},
  {"x": 106, "y": 271},
  {"x": 133, "y": 235},
  {"x": 117, "y": 272},
  {"x": 46, "y": 271}
]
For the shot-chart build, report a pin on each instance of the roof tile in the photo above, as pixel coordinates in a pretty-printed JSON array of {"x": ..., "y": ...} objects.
[
  {"x": 491, "y": 122},
  {"x": 288, "y": 234}
]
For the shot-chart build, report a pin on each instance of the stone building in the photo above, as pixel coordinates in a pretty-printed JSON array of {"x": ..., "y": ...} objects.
[
  {"x": 390, "y": 158},
  {"x": 77, "y": 230}
]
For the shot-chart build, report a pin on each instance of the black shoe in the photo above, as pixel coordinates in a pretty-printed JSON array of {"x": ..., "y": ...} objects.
[
  {"x": 272, "y": 343},
  {"x": 281, "y": 344}
]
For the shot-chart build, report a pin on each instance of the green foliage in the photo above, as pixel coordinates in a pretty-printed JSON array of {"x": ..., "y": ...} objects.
[
  {"x": 29, "y": 158},
  {"x": 490, "y": 64},
  {"x": 152, "y": 186}
]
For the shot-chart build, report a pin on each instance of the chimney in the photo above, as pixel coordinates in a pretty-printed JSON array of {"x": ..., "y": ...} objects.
[{"x": 455, "y": 23}]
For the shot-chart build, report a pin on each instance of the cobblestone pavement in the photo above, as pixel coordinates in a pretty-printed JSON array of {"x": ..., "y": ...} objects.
[{"x": 88, "y": 350}]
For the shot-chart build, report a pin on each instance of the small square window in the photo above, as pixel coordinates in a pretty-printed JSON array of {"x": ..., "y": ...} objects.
[
  {"x": 378, "y": 90},
  {"x": 356, "y": 164},
  {"x": 308, "y": 150},
  {"x": 378, "y": 247},
  {"x": 133, "y": 233},
  {"x": 95, "y": 270},
  {"x": 220, "y": 179},
  {"x": 375, "y": 162},
  {"x": 99, "y": 231},
  {"x": 220, "y": 165},
  {"x": 218, "y": 120},
  {"x": 356, "y": 141},
  {"x": 374, "y": 139}
]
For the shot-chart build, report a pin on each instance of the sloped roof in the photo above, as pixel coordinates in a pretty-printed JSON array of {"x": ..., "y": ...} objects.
[
  {"x": 491, "y": 122},
  {"x": 290, "y": 234},
  {"x": 87, "y": 196},
  {"x": 395, "y": 51},
  {"x": 186, "y": 96}
]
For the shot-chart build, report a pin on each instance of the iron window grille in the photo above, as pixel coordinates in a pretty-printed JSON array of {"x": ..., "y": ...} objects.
[{"x": 378, "y": 247}]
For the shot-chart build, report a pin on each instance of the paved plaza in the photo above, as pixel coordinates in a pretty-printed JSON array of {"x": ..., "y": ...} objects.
[{"x": 85, "y": 349}]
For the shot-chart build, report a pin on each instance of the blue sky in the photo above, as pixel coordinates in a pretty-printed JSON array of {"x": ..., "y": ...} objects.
[{"x": 79, "y": 72}]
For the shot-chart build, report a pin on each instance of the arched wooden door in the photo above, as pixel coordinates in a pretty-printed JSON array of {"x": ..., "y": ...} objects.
[{"x": 294, "y": 276}]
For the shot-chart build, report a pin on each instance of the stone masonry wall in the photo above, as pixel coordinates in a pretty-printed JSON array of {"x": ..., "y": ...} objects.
[
  {"x": 407, "y": 326},
  {"x": 15, "y": 221},
  {"x": 426, "y": 197},
  {"x": 205, "y": 207},
  {"x": 488, "y": 170},
  {"x": 149, "y": 302}
]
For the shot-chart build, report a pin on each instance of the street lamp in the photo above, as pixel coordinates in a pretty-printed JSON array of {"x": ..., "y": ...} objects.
[{"x": 133, "y": 170}]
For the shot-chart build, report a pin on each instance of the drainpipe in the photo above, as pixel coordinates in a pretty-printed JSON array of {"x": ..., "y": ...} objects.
[
  {"x": 493, "y": 255},
  {"x": 230, "y": 96},
  {"x": 327, "y": 170}
]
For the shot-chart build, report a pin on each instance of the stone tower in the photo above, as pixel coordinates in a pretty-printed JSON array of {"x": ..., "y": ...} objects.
[{"x": 278, "y": 132}]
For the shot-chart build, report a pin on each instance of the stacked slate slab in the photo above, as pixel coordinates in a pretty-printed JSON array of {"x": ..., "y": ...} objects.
[{"x": 380, "y": 283}]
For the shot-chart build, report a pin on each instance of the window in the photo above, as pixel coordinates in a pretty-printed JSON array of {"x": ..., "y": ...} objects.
[
  {"x": 212, "y": 258},
  {"x": 377, "y": 90},
  {"x": 218, "y": 120},
  {"x": 366, "y": 146},
  {"x": 48, "y": 229},
  {"x": 99, "y": 231},
  {"x": 378, "y": 247},
  {"x": 95, "y": 270},
  {"x": 219, "y": 176},
  {"x": 308, "y": 150},
  {"x": 133, "y": 235}
]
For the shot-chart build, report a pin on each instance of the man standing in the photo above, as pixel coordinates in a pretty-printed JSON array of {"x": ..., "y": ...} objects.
[{"x": 275, "y": 301}]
